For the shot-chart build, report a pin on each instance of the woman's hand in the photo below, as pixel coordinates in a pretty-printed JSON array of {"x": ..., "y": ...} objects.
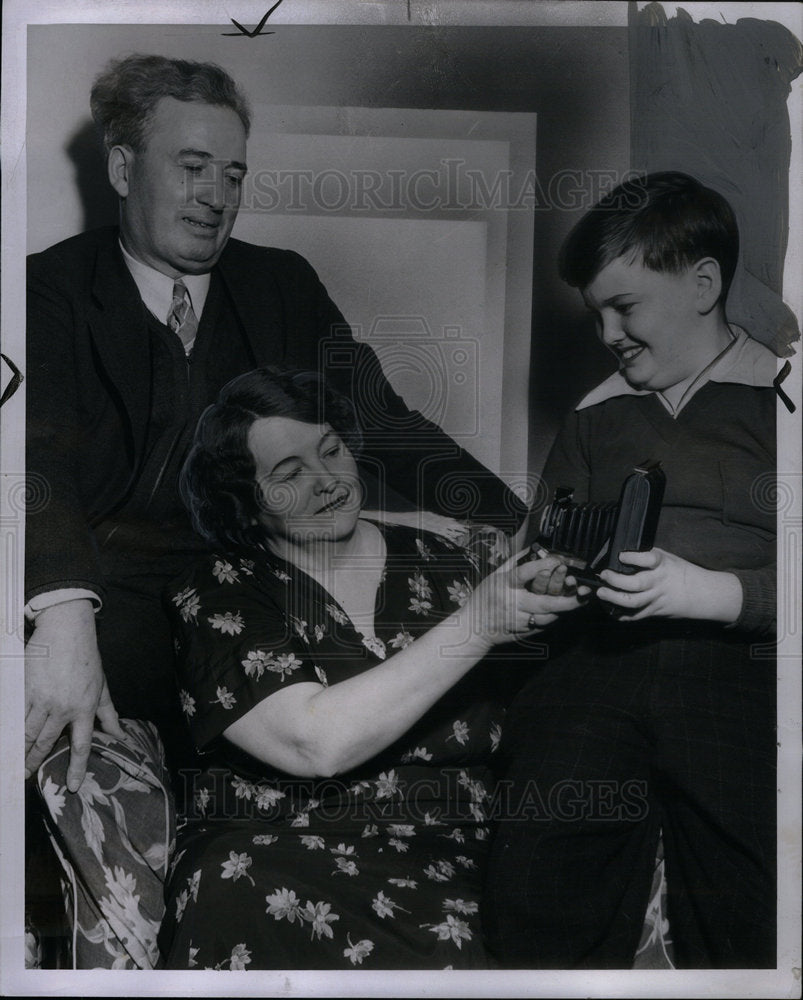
[
  {"x": 553, "y": 578},
  {"x": 522, "y": 599},
  {"x": 670, "y": 587}
]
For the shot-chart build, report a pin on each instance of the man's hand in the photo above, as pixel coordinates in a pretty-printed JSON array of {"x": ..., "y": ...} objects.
[
  {"x": 65, "y": 686},
  {"x": 670, "y": 587}
]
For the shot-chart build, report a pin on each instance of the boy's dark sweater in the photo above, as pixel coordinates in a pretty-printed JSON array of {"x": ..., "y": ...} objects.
[{"x": 719, "y": 458}]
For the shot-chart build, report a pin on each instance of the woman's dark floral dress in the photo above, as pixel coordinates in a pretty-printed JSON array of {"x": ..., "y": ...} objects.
[{"x": 378, "y": 868}]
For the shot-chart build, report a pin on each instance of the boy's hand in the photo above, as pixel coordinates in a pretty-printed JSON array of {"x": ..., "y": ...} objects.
[{"x": 670, "y": 587}]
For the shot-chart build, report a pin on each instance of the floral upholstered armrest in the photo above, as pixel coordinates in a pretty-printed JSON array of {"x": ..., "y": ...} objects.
[
  {"x": 422, "y": 520},
  {"x": 115, "y": 837},
  {"x": 655, "y": 950},
  {"x": 491, "y": 545}
]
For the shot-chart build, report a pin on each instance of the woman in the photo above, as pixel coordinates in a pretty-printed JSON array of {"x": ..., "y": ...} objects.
[{"x": 329, "y": 658}]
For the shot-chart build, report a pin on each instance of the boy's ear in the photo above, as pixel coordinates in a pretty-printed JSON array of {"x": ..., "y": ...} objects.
[
  {"x": 118, "y": 166},
  {"x": 708, "y": 278}
]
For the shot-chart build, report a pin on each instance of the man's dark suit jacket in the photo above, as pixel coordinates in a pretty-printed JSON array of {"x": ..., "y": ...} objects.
[{"x": 88, "y": 385}]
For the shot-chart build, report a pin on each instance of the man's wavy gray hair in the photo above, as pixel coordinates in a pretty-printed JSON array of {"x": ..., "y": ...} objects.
[{"x": 125, "y": 95}]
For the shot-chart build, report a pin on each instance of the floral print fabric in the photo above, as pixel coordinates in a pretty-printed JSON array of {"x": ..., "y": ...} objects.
[
  {"x": 398, "y": 846},
  {"x": 380, "y": 868},
  {"x": 115, "y": 837}
]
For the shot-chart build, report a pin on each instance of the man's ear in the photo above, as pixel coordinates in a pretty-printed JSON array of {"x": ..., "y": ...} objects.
[
  {"x": 708, "y": 278},
  {"x": 119, "y": 165}
]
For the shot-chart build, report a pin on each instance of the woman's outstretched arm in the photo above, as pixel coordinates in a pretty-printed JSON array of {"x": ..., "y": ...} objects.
[{"x": 310, "y": 730}]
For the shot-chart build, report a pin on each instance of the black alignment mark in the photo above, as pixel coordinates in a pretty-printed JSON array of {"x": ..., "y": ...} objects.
[
  {"x": 785, "y": 370},
  {"x": 244, "y": 32},
  {"x": 14, "y": 384}
]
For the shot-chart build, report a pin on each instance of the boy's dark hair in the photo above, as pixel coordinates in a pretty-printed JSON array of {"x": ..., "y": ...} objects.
[
  {"x": 218, "y": 481},
  {"x": 125, "y": 95},
  {"x": 669, "y": 220}
]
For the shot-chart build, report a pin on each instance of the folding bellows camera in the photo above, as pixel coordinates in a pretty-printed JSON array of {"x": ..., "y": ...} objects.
[{"x": 589, "y": 536}]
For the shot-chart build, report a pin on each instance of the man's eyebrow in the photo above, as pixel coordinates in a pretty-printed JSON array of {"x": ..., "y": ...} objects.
[{"x": 204, "y": 155}]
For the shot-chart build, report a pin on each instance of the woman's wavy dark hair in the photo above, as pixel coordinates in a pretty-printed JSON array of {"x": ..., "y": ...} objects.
[{"x": 218, "y": 481}]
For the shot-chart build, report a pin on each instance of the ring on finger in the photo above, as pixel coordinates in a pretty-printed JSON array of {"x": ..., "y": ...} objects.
[{"x": 531, "y": 623}]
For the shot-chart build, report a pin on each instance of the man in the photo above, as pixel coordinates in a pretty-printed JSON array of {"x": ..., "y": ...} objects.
[{"x": 131, "y": 333}]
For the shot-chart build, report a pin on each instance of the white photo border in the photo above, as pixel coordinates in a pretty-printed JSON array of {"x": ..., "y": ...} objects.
[{"x": 785, "y": 981}]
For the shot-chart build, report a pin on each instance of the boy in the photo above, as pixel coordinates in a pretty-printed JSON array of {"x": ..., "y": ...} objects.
[{"x": 651, "y": 717}]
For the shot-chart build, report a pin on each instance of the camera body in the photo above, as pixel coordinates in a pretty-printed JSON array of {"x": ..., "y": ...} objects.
[{"x": 588, "y": 537}]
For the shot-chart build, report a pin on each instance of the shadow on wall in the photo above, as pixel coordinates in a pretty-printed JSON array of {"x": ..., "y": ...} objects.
[{"x": 98, "y": 198}]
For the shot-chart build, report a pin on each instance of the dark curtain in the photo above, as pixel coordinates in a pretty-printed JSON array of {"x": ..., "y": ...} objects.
[{"x": 709, "y": 99}]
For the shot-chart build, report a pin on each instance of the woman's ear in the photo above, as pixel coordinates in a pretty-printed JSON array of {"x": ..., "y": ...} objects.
[
  {"x": 118, "y": 166},
  {"x": 708, "y": 278}
]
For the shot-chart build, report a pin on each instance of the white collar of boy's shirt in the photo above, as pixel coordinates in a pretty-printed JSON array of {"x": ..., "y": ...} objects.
[
  {"x": 744, "y": 362},
  {"x": 156, "y": 289}
]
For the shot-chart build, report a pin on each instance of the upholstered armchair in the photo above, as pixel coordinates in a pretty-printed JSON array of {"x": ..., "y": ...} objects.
[{"x": 115, "y": 839}]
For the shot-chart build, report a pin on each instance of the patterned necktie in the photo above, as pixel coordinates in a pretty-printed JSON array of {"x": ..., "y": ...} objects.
[{"x": 181, "y": 319}]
